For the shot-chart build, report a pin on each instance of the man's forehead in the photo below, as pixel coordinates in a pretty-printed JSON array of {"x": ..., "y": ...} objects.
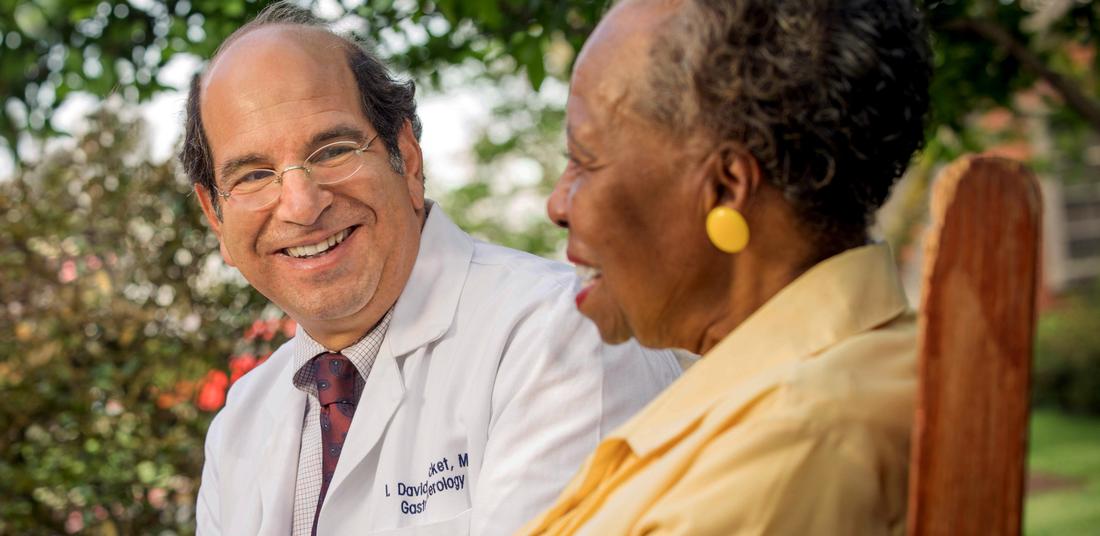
[
  {"x": 274, "y": 50},
  {"x": 287, "y": 78}
]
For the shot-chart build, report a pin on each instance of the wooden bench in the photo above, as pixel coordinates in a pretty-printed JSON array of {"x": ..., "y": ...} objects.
[{"x": 976, "y": 325}]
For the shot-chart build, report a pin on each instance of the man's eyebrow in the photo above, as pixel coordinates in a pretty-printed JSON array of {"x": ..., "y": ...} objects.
[
  {"x": 334, "y": 133},
  {"x": 233, "y": 165},
  {"x": 580, "y": 147}
]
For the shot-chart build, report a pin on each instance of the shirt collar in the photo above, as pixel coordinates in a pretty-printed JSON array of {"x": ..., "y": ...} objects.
[
  {"x": 852, "y": 292},
  {"x": 304, "y": 348}
]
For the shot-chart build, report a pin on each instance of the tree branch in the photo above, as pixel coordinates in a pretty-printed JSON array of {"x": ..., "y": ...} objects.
[{"x": 1077, "y": 100}]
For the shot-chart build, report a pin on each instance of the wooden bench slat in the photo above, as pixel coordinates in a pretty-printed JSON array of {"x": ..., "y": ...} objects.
[{"x": 976, "y": 325}]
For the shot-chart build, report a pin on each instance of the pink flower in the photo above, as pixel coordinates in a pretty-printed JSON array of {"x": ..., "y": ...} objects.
[
  {"x": 157, "y": 498},
  {"x": 92, "y": 262},
  {"x": 75, "y": 522},
  {"x": 67, "y": 274}
]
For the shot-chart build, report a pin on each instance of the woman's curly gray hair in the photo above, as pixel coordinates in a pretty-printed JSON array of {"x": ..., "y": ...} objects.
[{"x": 828, "y": 95}]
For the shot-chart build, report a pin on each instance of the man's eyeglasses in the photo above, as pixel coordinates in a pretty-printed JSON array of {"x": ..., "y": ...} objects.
[{"x": 257, "y": 189}]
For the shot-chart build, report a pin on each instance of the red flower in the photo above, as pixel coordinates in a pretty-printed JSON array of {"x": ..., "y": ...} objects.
[
  {"x": 185, "y": 388},
  {"x": 167, "y": 400},
  {"x": 212, "y": 393},
  {"x": 255, "y": 330},
  {"x": 270, "y": 329},
  {"x": 240, "y": 365}
]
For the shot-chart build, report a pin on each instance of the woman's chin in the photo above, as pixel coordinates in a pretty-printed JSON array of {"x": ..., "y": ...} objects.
[{"x": 613, "y": 328}]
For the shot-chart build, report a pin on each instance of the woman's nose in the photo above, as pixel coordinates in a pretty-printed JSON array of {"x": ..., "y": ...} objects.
[{"x": 557, "y": 205}]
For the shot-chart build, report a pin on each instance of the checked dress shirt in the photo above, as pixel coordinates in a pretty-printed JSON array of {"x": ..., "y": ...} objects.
[{"x": 307, "y": 490}]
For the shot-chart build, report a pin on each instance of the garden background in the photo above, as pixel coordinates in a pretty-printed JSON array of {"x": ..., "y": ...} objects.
[{"x": 120, "y": 328}]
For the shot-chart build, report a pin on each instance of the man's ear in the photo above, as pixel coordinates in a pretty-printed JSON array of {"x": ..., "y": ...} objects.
[
  {"x": 214, "y": 219},
  {"x": 413, "y": 159},
  {"x": 733, "y": 177}
]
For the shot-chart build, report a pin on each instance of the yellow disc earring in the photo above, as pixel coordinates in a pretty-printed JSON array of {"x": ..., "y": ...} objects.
[{"x": 727, "y": 229}]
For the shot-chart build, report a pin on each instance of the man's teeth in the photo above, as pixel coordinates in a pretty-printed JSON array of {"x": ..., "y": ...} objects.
[
  {"x": 320, "y": 247},
  {"x": 587, "y": 273}
]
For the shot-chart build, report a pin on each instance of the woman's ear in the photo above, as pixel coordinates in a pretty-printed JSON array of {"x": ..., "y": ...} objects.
[{"x": 733, "y": 177}]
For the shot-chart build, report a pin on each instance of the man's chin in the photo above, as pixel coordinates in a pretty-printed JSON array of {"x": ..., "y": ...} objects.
[{"x": 322, "y": 309}]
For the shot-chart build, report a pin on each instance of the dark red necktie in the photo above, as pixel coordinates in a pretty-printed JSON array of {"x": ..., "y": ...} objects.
[{"x": 335, "y": 377}]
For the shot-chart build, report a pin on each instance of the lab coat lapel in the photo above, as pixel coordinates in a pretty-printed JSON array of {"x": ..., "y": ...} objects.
[
  {"x": 277, "y": 465},
  {"x": 423, "y": 313},
  {"x": 427, "y": 306}
]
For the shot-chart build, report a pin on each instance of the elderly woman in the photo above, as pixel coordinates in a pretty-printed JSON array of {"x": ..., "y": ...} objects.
[{"x": 726, "y": 160}]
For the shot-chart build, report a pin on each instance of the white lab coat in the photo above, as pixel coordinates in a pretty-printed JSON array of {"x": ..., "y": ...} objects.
[{"x": 487, "y": 394}]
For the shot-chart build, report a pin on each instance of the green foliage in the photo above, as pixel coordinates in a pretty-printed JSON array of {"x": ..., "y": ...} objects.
[
  {"x": 973, "y": 71},
  {"x": 114, "y": 309},
  {"x": 1065, "y": 451},
  {"x": 1067, "y": 356},
  {"x": 53, "y": 47},
  {"x": 497, "y": 207}
]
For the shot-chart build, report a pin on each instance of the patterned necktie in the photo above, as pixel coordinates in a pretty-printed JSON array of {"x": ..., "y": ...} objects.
[{"x": 336, "y": 377}]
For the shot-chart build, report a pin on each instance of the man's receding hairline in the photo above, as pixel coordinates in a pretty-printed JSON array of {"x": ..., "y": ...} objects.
[
  {"x": 307, "y": 34},
  {"x": 299, "y": 30}
]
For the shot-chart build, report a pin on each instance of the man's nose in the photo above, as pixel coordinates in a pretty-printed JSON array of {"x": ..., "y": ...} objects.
[
  {"x": 302, "y": 200},
  {"x": 557, "y": 206}
]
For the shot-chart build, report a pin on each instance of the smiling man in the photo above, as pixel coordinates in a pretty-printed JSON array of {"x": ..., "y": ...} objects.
[{"x": 436, "y": 384}]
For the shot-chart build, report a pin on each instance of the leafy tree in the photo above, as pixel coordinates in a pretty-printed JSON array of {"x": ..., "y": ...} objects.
[
  {"x": 54, "y": 47},
  {"x": 986, "y": 49}
]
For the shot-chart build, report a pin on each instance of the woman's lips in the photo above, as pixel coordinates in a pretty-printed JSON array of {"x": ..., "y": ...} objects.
[
  {"x": 589, "y": 276},
  {"x": 588, "y": 282},
  {"x": 582, "y": 295}
]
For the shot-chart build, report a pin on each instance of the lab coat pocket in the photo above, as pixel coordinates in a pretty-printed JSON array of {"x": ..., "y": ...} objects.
[{"x": 455, "y": 526}]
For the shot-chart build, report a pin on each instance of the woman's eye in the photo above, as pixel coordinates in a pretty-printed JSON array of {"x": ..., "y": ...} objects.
[
  {"x": 572, "y": 161},
  {"x": 575, "y": 164}
]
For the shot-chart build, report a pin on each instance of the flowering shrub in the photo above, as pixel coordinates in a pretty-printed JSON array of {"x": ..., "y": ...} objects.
[
  {"x": 261, "y": 338},
  {"x": 121, "y": 332}
]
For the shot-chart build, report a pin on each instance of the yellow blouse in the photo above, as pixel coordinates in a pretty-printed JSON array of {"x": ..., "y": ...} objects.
[{"x": 796, "y": 423}]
